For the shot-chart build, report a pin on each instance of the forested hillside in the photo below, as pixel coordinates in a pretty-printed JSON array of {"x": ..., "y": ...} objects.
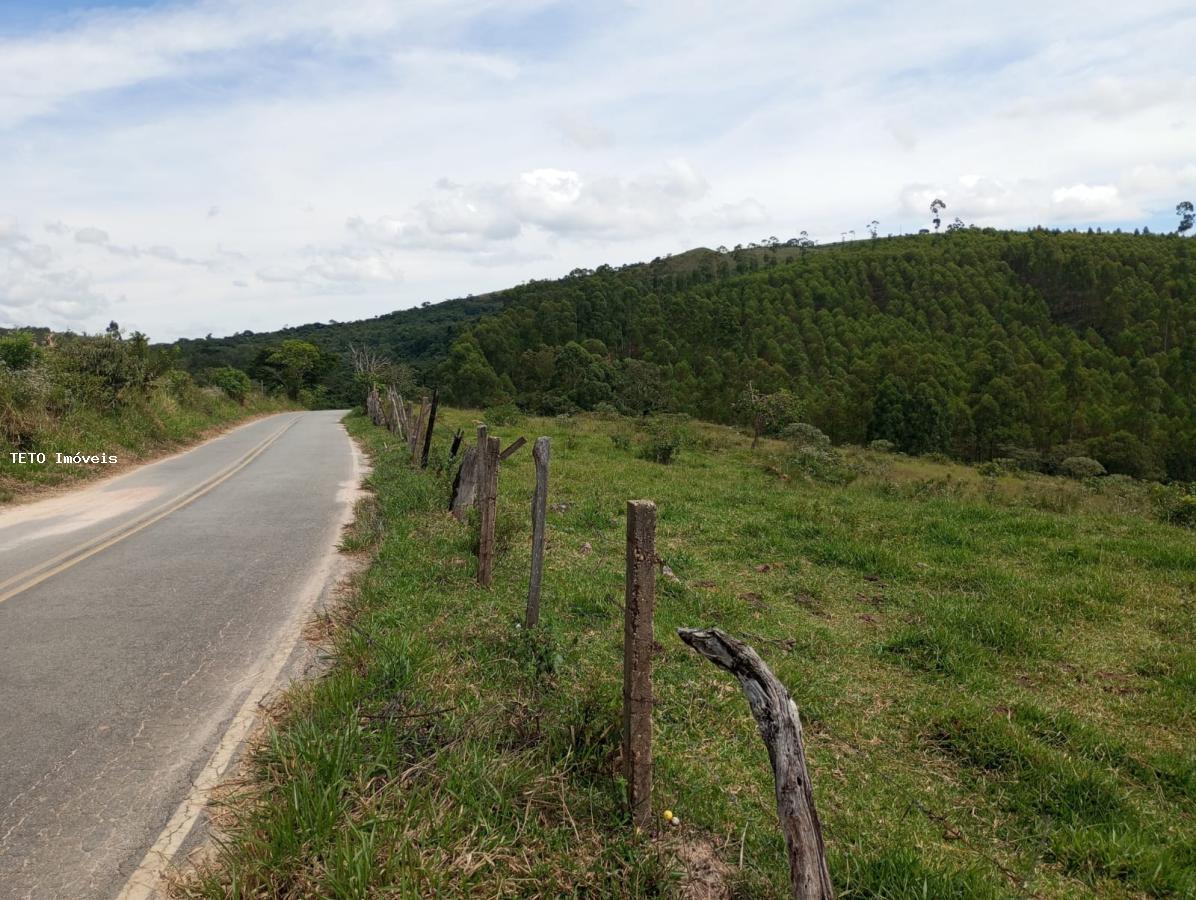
[{"x": 977, "y": 343}]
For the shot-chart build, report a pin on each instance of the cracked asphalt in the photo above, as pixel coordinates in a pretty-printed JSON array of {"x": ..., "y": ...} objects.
[{"x": 121, "y": 671}]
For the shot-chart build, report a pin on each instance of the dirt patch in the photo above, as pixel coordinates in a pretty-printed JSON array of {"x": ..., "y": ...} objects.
[{"x": 705, "y": 875}]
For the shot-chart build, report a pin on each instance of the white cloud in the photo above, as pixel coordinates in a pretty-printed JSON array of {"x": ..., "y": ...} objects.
[
  {"x": 1094, "y": 202},
  {"x": 34, "y": 282},
  {"x": 91, "y": 236}
]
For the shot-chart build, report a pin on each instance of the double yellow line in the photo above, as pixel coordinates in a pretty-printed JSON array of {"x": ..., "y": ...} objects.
[{"x": 23, "y": 581}]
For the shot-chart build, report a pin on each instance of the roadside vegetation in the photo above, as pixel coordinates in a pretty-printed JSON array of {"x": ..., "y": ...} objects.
[
  {"x": 994, "y": 668},
  {"x": 106, "y": 394}
]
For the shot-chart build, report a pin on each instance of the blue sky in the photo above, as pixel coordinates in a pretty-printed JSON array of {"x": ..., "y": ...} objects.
[{"x": 216, "y": 165}]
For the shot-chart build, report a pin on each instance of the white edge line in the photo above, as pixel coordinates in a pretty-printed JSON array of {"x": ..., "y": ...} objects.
[{"x": 146, "y": 880}]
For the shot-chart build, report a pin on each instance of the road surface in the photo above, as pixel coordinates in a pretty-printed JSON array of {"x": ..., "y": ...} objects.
[{"x": 140, "y": 621}]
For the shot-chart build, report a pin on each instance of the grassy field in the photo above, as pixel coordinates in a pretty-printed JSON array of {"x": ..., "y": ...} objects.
[{"x": 997, "y": 677}]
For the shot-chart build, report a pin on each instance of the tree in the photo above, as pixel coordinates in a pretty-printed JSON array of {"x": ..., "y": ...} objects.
[
  {"x": 889, "y": 405},
  {"x": 1187, "y": 216},
  {"x": 873, "y": 228},
  {"x": 936, "y": 208},
  {"x": 768, "y": 413},
  {"x": 295, "y": 360}
]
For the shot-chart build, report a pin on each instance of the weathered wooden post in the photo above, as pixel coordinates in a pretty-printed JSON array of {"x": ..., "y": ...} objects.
[
  {"x": 539, "y": 508},
  {"x": 398, "y": 412},
  {"x": 638, "y": 608},
  {"x": 423, "y": 460},
  {"x": 488, "y": 502},
  {"x": 465, "y": 485},
  {"x": 373, "y": 406},
  {"x": 418, "y": 431},
  {"x": 780, "y": 726},
  {"x": 511, "y": 449}
]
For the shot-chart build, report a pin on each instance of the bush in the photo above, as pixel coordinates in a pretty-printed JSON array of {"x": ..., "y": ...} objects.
[
  {"x": 664, "y": 438},
  {"x": 880, "y": 445},
  {"x": 503, "y": 414},
  {"x": 232, "y": 381},
  {"x": 18, "y": 350},
  {"x": 1081, "y": 467},
  {"x": 1183, "y": 511},
  {"x": 1001, "y": 465},
  {"x": 802, "y": 434},
  {"x": 820, "y": 464}
]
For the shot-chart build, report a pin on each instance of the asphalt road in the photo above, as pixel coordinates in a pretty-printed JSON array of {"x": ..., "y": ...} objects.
[{"x": 139, "y": 620}]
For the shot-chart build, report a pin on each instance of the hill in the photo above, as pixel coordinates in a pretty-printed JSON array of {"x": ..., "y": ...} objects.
[{"x": 977, "y": 343}]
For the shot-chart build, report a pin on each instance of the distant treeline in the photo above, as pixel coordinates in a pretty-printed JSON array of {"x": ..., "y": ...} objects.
[{"x": 977, "y": 343}]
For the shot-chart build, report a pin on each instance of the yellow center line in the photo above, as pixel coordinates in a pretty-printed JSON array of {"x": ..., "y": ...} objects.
[{"x": 23, "y": 581}]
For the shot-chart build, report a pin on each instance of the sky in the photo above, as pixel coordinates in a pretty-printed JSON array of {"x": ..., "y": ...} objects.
[{"x": 186, "y": 168}]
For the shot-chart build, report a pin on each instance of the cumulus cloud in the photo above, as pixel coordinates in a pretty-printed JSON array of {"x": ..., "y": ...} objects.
[
  {"x": 336, "y": 270},
  {"x": 37, "y": 287},
  {"x": 1093, "y": 202},
  {"x": 561, "y": 202}
]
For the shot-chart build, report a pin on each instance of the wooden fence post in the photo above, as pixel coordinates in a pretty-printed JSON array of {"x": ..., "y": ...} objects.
[
  {"x": 418, "y": 430},
  {"x": 637, "y": 658},
  {"x": 373, "y": 406},
  {"x": 488, "y": 502},
  {"x": 423, "y": 461},
  {"x": 465, "y": 485},
  {"x": 457, "y": 435},
  {"x": 397, "y": 412},
  {"x": 539, "y": 507},
  {"x": 780, "y": 726}
]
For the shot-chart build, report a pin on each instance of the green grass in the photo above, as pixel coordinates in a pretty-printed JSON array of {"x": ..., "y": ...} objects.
[{"x": 995, "y": 674}]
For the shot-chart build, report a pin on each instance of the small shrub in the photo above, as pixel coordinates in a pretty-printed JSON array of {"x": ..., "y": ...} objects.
[
  {"x": 664, "y": 438},
  {"x": 621, "y": 441},
  {"x": 1183, "y": 512},
  {"x": 503, "y": 414},
  {"x": 880, "y": 445},
  {"x": 802, "y": 434},
  {"x": 1000, "y": 465},
  {"x": 821, "y": 464},
  {"x": 1081, "y": 467},
  {"x": 18, "y": 351}
]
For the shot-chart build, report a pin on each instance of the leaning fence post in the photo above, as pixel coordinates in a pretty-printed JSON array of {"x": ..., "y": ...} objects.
[
  {"x": 637, "y": 658},
  {"x": 780, "y": 726},
  {"x": 488, "y": 501},
  {"x": 423, "y": 461},
  {"x": 539, "y": 507}
]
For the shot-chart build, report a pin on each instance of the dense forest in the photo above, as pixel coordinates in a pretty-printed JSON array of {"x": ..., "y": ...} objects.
[{"x": 977, "y": 343}]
